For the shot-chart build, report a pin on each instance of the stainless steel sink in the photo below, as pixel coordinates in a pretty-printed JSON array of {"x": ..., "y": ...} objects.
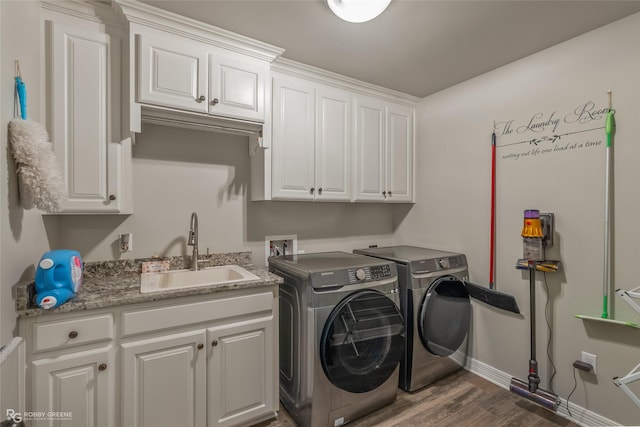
[{"x": 183, "y": 279}]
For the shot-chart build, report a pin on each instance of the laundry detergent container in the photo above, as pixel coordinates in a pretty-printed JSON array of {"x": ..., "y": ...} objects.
[{"x": 58, "y": 277}]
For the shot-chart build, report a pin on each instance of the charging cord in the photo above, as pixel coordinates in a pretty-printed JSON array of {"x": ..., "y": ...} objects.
[
  {"x": 575, "y": 385},
  {"x": 546, "y": 318},
  {"x": 583, "y": 366}
]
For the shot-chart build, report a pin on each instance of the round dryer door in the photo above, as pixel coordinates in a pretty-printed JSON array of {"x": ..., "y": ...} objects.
[
  {"x": 362, "y": 341},
  {"x": 445, "y": 313}
]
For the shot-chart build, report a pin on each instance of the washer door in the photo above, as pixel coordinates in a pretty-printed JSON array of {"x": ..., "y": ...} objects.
[
  {"x": 445, "y": 313},
  {"x": 362, "y": 341}
]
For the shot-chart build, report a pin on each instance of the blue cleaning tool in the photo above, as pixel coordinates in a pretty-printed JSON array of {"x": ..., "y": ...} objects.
[{"x": 21, "y": 89}]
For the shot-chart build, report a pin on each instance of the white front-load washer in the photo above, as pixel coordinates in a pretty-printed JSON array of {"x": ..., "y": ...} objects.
[
  {"x": 435, "y": 304},
  {"x": 341, "y": 338}
]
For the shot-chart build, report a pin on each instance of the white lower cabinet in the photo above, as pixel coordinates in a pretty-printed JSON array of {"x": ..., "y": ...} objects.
[
  {"x": 239, "y": 377},
  {"x": 163, "y": 382},
  {"x": 200, "y": 361},
  {"x": 77, "y": 387}
]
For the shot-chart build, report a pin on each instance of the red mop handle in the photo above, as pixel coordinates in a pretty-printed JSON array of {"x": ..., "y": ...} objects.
[{"x": 493, "y": 209}]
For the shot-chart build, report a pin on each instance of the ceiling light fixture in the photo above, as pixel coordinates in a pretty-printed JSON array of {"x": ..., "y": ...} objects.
[{"x": 358, "y": 10}]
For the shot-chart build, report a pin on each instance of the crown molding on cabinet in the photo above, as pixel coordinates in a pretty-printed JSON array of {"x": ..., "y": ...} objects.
[
  {"x": 162, "y": 20},
  {"x": 94, "y": 11},
  {"x": 319, "y": 75},
  {"x": 168, "y": 117}
]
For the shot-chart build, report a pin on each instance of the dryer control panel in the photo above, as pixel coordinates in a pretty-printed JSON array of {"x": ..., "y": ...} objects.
[{"x": 438, "y": 264}]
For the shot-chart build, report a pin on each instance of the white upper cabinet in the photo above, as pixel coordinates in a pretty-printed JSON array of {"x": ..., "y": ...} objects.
[
  {"x": 335, "y": 139},
  {"x": 369, "y": 169},
  {"x": 83, "y": 78},
  {"x": 173, "y": 72},
  {"x": 237, "y": 86},
  {"x": 384, "y": 151},
  {"x": 311, "y": 141},
  {"x": 190, "y": 74},
  {"x": 333, "y": 144},
  {"x": 181, "y": 73},
  {"x": 293, "y": 139},
  {"x": 399, "y": 154}
]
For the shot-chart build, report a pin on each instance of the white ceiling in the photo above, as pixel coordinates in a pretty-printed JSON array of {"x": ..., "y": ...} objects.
[{"x": 416, "y": 46}]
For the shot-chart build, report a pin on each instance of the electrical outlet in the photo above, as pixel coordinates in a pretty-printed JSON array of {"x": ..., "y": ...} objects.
[
  {"x": 590, "y": 359},
  {"x": 125, "y": 242}
]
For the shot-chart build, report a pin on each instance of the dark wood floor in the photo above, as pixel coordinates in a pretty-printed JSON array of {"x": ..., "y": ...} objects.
[{"x": 462, "y": 399}]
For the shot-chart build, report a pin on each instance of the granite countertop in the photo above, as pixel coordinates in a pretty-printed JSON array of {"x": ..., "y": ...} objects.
[{"x": 115, "y": 283}]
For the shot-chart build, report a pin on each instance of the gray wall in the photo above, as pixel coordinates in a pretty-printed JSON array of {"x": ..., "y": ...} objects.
[
  {"x": 178, "y": 171},
  {"x": 453, "y": 204},
  {"x": 25, "y": 234}
]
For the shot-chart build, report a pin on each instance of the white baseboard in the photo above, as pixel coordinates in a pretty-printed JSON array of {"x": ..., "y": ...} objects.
[{"x": 579, "y": 415}]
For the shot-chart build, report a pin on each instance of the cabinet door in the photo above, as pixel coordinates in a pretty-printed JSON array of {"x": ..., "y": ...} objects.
[
  {"x": 333, "y": 145},
  {"x": 172, "y": 72},
  {"x": 164, "y": 381},
  {"x": 81, "y": 98},
  {"x": 399, "y": 157},
  {"x": 370, "y": 149},
  {"x": 79, "y": 387},
  {"x": 241, "y": 372},
  {"x": 293, "y": 140},
  {"x": 236, "y": 87}
]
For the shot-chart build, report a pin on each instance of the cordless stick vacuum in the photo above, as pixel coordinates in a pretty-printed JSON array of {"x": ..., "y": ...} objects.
[{"x": 533, "y": 235}]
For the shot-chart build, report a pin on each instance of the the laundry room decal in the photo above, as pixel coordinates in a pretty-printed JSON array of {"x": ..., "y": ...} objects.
[{"x": 551, "y": 132}]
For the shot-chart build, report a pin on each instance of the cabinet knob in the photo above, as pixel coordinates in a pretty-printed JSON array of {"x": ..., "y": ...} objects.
[
  {"x": 112, "y": 197},
  {"x": 389, "y": 193},
  {"x": 102, "y": 367},
  {"x": 384, "y": 193},
  {"x": 320, "y": 191},
  {"x": 311, "y": 190},
  {"x": 214, "y": 343},
  {"x": 201, "y": 98},
  {"x": 215, "y": 101},
  {"x": 73, "y": 334},
  {"x": 200, "y": 346}
]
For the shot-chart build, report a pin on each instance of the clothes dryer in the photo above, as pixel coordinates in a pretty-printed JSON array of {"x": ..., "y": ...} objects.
[
  {"x": 341, "y": 336},
  {"x": 435, "y": 304}
]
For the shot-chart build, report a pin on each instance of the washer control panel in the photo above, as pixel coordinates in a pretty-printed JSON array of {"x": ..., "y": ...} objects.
[
  {"x": 353, "y": 276},
  {"x": 376, "y": 272}
]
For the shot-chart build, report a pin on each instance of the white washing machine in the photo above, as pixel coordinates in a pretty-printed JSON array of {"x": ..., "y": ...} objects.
[
  {"x": 435, "y": 303},
  {"x": 342, "y": 336}
]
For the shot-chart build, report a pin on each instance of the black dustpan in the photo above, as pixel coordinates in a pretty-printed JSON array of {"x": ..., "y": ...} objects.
[{"x": 492, "y": 297}]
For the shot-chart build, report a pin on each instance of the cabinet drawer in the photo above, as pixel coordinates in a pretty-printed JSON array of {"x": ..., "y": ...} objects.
[
  {"x": 72, "y": 332},
  {"x": 138, "y": 321}
]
